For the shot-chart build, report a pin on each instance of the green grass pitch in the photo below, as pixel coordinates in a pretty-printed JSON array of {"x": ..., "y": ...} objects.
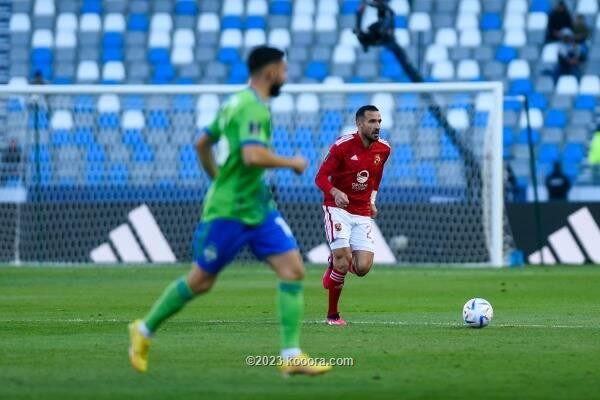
[{"x": 63, "y": 335}]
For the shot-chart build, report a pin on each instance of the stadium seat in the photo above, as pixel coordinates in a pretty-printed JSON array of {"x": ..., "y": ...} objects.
[
  {"x": 467, "y": 21},
  {"x": 587, "y": 7},
  {"x": 505, "y": 54},
  {"x": 515, "y": 38},
  {"x": 537, "y": 21},
  {"x": 446, "y": 37},
  {"x": 585, "y": 102},
  {"x": 186, "y": 7},
  {"x": 88, "y": 72},
  {"x": 65, "y": 40},
  {"x": 133, "y": 119},
  {"x": 490, "y": 21},
  {"x": 61, "y": 120},
  {"x": 19, "y": 23},
  {"x": 442, "y": 70},
  {"x": 419, "y": 22},
  {"x": 257, "y": 7},
  {"x": 138, "y": 23},
  {"x": 159, "y": 39},
  {"x": 90, "y": 23},
  {"x": 518, "y": 69},
  {"x": 109, "y": 103},
  {"x": 279, "y": 38},
  {"x": 113, "y": 71},
  {"x": 555, "y": 119},
  {"x": 548, "y": 153},
  {"x": 281, "y": 7},
  {"x": 590, "y": 85},
  {"x": 540, "y": 6},
  {"x": 435, "y": 53},
  {"x": 316, "y": 70},
  {"x": 550, "y": 53},
  {"x": 470, "y": 38},
  {"x": 469, "y": 6},
  {"x": 535, "y": 117},
  {"x": 254, "y": 37},
  {"x": 517, "y": 6},
  {"x": 114, "y": 22},
  {"x": 567, "y": 85}
]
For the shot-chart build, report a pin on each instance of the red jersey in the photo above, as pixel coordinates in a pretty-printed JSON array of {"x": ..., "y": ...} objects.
[{"x": 353, "y": 169}]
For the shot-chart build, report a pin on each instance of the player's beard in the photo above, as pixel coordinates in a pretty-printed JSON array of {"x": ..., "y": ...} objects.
[{"x": 275, "y": 89}]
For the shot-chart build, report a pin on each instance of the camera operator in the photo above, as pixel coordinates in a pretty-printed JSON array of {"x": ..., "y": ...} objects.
[{"x": 380, "y": 32}]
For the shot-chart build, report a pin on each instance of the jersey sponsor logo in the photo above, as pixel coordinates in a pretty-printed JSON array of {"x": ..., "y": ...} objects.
[
  {"x": 377, "y": 159},
  {"x": 354, "y": 158},
  {"x": 361, "y": 177},
  {"x": 254, "y": 127}
]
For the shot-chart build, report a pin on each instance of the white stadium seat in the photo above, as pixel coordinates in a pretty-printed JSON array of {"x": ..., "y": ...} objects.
[
  {"x": 515, "y": 38},
  {"x": 181, "y": 55},
  {"x": 66, "y": 22},
  {"x": 88, "y": 71},
  {"x": 442, "y": 70},
  {"x": 113, "y": 71},
  {"x": 208, "y": 22},
  {"x": 400, "y": 7},
  {"x": 470, "y": 38},
  {"x": 446, "y": 37},
  {"x": 90, "y": 23},
  {"x": 257, "y": 7},
  {"x": 65, "y": 40},
  {"x": 468, "y": 70},
  {"x": 280, "y": 38},
  {"x": 467, "y": 21},
  {"x": 109, "y": 103},
  {"x": 308, "y": 103},
  {"x": 436, "y": 53},
  {"x": 537, "y": 21},
  {"x": 402, "y": 36},
  {"x": 514, "y": 21},
  {"x": 159, "y": 39},
  {"x": 19, "y": 23},
  {"x": 344, "y": 55},
  {"x": 161, "y": 22},
  {"x": 231, "y": 38},
  {"x": 590, "y": 85},
  {"x": 419, "y": 22},
  {"x": 44, "y": 8},
  {"x": 207, "y": 101},
  {"x": 254, "y": 37},
  {"x": 518, "y": 69},
  {"x": 567, "y": 85},
  {"x": 133, "y": 119},
  {"x": 284, "y": 103},
  {"x": 61, "y": 120},
  {"x": 233, "y": 7},
  {"x": 42, "y": 38},
  {"x": 536, "y": 118},
  {"x": 184, "y": 38},
  {"x": 114, "y": 22},
  {"x": 587, "y": 7}
]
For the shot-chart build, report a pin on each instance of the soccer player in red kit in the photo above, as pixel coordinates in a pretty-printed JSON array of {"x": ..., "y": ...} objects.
[{"x": 349, "y": 178}]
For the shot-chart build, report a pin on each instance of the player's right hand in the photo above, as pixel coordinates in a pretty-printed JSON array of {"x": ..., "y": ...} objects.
[
  {"x": 341, "y": 199},
  {"x": 299, "y": 164}
]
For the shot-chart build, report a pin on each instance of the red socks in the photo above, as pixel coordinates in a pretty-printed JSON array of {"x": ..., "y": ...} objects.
[{"x": 336, "y": 283}]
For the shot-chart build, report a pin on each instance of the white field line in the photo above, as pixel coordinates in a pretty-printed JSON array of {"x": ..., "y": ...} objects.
[{"x": 309, "y": 322}]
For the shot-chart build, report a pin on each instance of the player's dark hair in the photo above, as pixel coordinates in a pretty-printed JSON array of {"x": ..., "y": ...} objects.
[
  {"x": 262, "y": 56},
  {"x": 361, "y": 111}
]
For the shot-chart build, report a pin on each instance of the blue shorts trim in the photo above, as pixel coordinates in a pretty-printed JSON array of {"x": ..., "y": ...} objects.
[{"x": 217, "y": 242}]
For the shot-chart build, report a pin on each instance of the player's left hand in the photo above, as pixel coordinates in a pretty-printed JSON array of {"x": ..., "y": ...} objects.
[{"x": 373, "y": 210}]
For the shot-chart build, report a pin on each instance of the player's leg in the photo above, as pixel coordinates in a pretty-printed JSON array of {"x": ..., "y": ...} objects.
[
  {"x": 337, "y": 232},
  {"x": 274, "y": 243},
  {"x": 363, "y": 245},
  {"x": 215, "y": 244}
]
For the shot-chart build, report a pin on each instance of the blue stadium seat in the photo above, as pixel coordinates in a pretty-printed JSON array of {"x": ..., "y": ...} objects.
[
  {"x": 91, "y": 6},
  {"x": 137, "y": 22},
  {"x": 158, "y": 119},
  {"x": 238, "y": 73},
  {"x": 357, "y": 79},
  {"x": 61, "y": 138},
  {"x": 112, "y": 54},
  {"x": 349, "y": 7},
  {"x": 555, "y": 119},
  {"x": 255, "y": 21},
  {"x": 228, "y": 55},
  {"x": 42, "y": 120},
  {"x": 401, "y": 21},
  {"x": 108, "y": 121},
  {"x": 133, "y": 102},
  {"x": 574, "y": 152},
  {"x": 163, "y": 73},
  {"x": 429, "y": 121},
  {"x": 537, "y": 100},
  {"x": 540, "y": 6},
  {"x": 186, "y": 7},
  {"x": 15, "y": 105},
  {"x": 490, "y": 21},
  {"x": 281, "y": 7},
  {"x": 143, "y": 154},
  {"x": 158, "y": 55},
  {"x": 505, "y": 54},
  {"x": 41, "y": 55},
  {"x": 84, "y": 104},
  {"x": 508, "y": 136},
  {"x": 133, "y": 137},
  {"x": 118, "y": 174},
  {"x": 535, "y": 136},
  {"x": 585, "y": 102},
  {"x": 521, "y": 87},
  {"x": 548, "y": 153},
  {"x": 426, "y": 174},
  {"x": 407, "y": 102},
  {"x": 403, "y": 153},
  {"x": 316, "y": 70},
  {"x": 95, "y": 172},
  {"x": 84, "y": 136},
  {"x": 354, "y": 101},
  {"x": 231, "y": 22},
  {"x": 112, "y": 39},
  {"x": 481, "y": 119},
  {"x": 95, "y": 153},
  {"x": 183, "y": 103},
  {"x": 392, "y": 70},
  {"x": 571, "y": 170}
]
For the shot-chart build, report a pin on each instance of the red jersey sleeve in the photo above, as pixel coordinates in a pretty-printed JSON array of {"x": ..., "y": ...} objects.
[
  {"x": 380, "y": 171},
  {"x": 329, "y": 165}
]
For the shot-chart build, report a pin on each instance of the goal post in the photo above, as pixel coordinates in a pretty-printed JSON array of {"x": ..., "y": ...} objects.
[{"x": 108, "y": 172}]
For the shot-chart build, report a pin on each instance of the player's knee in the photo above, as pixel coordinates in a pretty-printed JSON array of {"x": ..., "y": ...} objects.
[
  {"x": 200, "y": 281},
  {"x": 362, "y": 268},
  {"x": 341, "y": 263},
  {"x": 294, "y": 273}
]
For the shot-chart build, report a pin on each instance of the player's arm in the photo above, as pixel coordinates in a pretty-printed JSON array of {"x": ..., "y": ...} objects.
[
  {"x": 204, "y": 150},
  {"x": 254, "y": 140},
  {"x": 330, "y": 165},
  {"x": 376, "y": 187},
  {"x": 258, "y": 155}
]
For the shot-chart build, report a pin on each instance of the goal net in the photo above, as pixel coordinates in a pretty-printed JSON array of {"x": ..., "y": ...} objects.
[{"x": 108, "y": 174}]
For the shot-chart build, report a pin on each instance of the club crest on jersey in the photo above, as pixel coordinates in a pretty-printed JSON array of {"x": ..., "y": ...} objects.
[
  {"x": 338, "y": 227},
  {"x": 254, "y": 127},
  {"x": 377, "y": 159}
]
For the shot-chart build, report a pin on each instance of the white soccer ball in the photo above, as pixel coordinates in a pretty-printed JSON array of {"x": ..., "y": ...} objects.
[{"x": 477, "y": 313}]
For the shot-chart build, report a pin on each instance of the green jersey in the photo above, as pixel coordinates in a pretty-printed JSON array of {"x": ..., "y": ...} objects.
[{"x": 239, "y": 191}]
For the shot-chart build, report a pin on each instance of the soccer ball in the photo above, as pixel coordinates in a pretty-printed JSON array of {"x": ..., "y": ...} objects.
[{"x": 477, "y": 313}]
